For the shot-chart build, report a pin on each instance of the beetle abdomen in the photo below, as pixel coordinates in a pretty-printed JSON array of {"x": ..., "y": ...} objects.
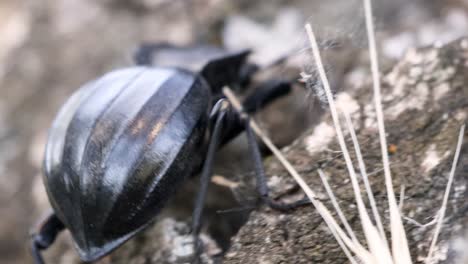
[{"x": 112, "y": 152}]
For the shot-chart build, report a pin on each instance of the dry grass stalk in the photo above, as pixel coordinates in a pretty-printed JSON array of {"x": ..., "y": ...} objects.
[
  {"x": 441, "y": 213},
  {"x": 379, "y": 251}
]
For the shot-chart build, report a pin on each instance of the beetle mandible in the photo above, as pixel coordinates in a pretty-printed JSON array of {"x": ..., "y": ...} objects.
[{"x": 124, "y": 143}]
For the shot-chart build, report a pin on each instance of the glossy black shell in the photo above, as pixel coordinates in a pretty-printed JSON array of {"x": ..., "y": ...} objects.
[{"x": 117, "y": 150}]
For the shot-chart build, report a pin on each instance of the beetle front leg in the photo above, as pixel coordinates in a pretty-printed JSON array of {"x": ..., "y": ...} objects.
[
  {"x": 264, "y": 94},
  {"x": 218, "y": 114},
  {"x": 262, "y": 186},
  {"x": 45, "y": 236},
  {"x": 222, "y": 115}
]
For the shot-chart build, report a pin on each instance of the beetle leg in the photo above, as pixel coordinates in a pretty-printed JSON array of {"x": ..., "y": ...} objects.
[
  {"x": 262, "y": 186},
  {"x": 266, "y": 93},
  {"x": 46, "y": 235},
  {"x": 246, "y": 72},
  {"x": 206, "y": 173}
]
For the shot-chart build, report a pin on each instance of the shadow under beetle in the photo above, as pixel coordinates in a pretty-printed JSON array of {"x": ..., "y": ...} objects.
[{"x": 122, "y": 144}]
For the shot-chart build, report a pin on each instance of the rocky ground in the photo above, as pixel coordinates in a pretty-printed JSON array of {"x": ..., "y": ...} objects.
[
  {"x": 49, "y": 48},
  {"x": 422, "y": 129}
]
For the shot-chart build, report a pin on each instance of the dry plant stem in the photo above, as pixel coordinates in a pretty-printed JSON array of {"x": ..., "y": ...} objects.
[
  {"x": 333, "y": 226},
  {"x": 336, "y": 232},
  {"x": 400, "y": 247},
  {"x": 287, "y": 165},
  {"x": 339, "y": 235},
  {"x": 343, "y": 246},
  {"x": 377, "y": 246},
  {"x": 337, "y": 207},
  {"x": 402, "y": 197},
  {"x": 441, "y": 213},
  {"x": 363, "y": 171}
]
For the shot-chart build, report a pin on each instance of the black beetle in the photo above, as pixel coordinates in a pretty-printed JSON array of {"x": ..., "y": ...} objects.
[{"x": 122, "y": 144}]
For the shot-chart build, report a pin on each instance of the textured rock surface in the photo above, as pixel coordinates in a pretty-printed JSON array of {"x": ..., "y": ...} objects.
[{"x": 425, "y": 104}]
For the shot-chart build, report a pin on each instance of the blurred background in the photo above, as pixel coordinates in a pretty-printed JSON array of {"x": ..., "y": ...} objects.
[{"x": 49, "y": 48}]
